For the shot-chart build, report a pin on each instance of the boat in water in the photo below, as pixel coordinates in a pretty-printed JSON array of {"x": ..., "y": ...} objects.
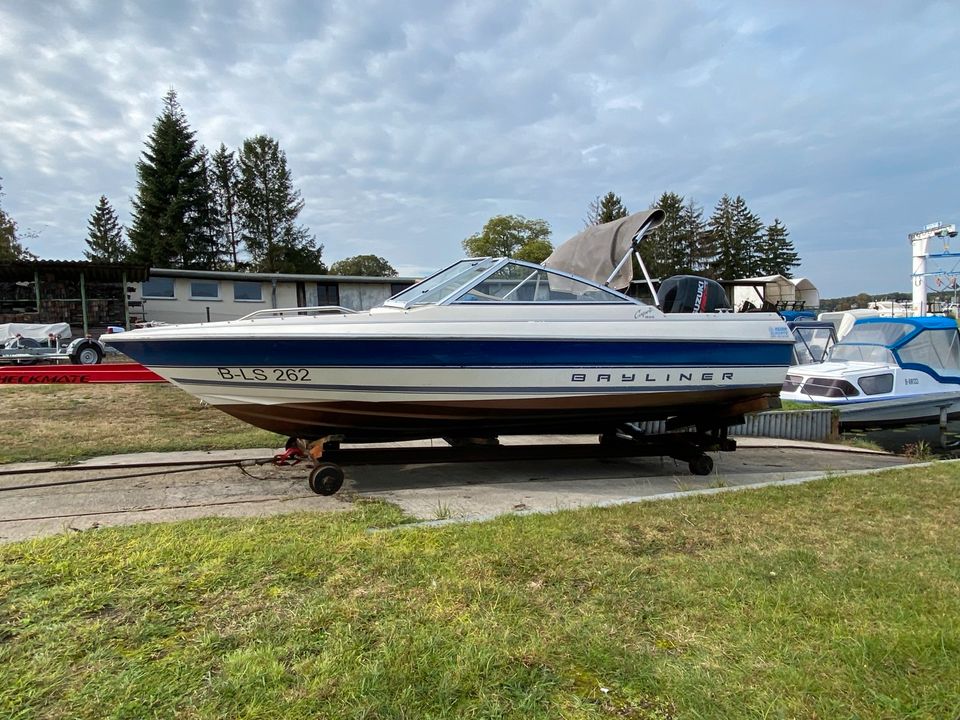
[
  {"x": 886, "y": 371},
  {"x": 485, "y": 347}
]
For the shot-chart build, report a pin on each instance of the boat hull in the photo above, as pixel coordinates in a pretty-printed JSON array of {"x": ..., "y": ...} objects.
[
  {"x": 374, "y": 422},
  {"x": 368, "y": 379},
  {"x": 897, "y": 412},
  {"x": 913, "y": 396}
]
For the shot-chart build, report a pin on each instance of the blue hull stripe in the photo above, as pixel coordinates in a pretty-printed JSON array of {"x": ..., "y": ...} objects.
[{"x": 414, "y": 352}]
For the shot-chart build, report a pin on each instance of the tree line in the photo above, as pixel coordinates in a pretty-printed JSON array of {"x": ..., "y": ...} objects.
[
  {"x": 197, "y": 210},
  {"x": 732, "y": 243},
  {"x": 229, "y": 210},
  {"x": 238, "y": 210}
]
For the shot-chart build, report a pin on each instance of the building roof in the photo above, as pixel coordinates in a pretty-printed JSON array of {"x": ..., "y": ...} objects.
[
  {"x": 71, "y": 270},
  {"x": 268, "y": 277}
]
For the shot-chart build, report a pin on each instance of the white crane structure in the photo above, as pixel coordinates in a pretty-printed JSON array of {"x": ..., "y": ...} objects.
[{"x": 931, "y": 246}]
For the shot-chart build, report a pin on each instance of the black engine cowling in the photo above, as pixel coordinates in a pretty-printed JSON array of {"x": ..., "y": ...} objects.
[{"x": 692, "y": 294}]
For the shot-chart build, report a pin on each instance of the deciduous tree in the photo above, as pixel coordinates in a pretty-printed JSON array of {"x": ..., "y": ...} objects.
[
  {"x": 10, "y": 248},
  {"x": 363, "y": 266},
  {"x": 511, "y": 236}
]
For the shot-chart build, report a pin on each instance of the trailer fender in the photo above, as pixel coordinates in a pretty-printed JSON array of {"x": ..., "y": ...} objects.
[{"x": 85, "y": 351}]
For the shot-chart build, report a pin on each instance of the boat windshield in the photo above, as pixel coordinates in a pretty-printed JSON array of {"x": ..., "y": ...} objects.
[
  {"x": 439, "y": 285},
  {"x": 933, "y": 348},
  {"x": 890, "y": 342},
  {"x": 887, "y": 334},
  {"x": 520, "y": 283},
  {"x": 503, "y": 281},
  {"x": 813, "y": 344},
  {"x": 862, "y": 353}
]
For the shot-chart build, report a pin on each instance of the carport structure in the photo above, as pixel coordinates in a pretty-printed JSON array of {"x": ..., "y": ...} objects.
[{"x": 54, "y": 286}]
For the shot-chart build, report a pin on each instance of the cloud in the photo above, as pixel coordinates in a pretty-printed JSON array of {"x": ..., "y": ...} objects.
[{"x": 408, "y": 126}]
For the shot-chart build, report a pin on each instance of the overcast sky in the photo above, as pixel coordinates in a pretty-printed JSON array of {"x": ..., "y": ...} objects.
[{"x": 407, "y": 125}]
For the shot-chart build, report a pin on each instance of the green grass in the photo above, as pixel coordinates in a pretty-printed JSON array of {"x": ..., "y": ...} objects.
[
  {"x": 793, "y": 405},
  {"x": 837, "y": 599},
  {"x": 64, "y": 423}
]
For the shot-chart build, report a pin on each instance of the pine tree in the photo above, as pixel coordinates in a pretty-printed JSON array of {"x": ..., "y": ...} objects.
[
  {"x": 748, "y": 237},
  {"x": 170, "y": 213},
  {"x": 728, "y": 263},
  {"x": 606, "y": 209},
  {"x": 269, "y": 206},
  {"x": 207, "y": 250},
  {"x": 698, "y": 250},
  {"x": 224, "y": 179},
  {"x": 663, "y": 253},
  {"x": 778, "y": 253},
  {"x": 105, "y": 235}
]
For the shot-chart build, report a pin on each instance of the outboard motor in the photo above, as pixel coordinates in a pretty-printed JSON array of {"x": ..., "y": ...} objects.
[{"x": 692, "y": 294}]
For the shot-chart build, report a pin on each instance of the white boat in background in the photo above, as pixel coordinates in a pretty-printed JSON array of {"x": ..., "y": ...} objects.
[
  {"x": 484, "y": 347},
  {"x": 886, "y": 371}
]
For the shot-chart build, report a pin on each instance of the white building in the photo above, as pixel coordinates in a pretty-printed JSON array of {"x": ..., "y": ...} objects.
[{"x": 185, "y": 296}]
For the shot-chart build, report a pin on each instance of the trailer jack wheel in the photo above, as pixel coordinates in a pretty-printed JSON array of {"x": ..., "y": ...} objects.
[
  {"x": 326, "y": 479},
  {"x": 701, "y": 465}
]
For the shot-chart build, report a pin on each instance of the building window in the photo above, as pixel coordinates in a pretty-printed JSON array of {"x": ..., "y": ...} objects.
[
  {"x": 204, "y": 290},
  {"x": 397, "y": 288},
  {"x": 161, "y": 288},
  {"x": 247, "y": 291},
  {"x": 328, "y": 294}
]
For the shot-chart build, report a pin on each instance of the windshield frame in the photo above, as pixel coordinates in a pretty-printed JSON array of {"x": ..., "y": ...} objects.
[{"x": 410, "y": 297}]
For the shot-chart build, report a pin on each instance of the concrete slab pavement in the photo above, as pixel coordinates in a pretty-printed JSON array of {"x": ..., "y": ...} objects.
[{"x": 109, "y": 496}]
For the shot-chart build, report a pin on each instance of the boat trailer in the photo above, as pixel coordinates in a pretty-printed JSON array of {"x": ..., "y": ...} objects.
[{"x": 327, "y": 459}]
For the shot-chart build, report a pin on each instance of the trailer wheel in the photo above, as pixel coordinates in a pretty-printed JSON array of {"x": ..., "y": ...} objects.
[
  {"x": 701, "y": 465},
  {"x": 326, "y": 479},
  {"x": 87, "y": 354}
]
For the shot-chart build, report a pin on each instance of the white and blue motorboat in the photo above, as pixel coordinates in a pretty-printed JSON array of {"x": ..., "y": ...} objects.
[
  {"x": 886, "y": 371},
  {"x": 487, "y": 346}
]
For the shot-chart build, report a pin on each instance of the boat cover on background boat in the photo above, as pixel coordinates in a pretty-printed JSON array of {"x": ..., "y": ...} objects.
[
  {"x": 595, "y": 252},
  {"x": 34, "y": 331}
]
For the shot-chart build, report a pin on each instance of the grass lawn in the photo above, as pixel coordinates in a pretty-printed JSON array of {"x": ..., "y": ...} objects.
[
  {"x": 63, "y": 423},
  {"x": 837, "y": 599}
]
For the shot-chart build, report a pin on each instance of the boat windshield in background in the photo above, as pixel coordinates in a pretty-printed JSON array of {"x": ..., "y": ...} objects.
[
  {"x": 878, "y": 333},
  {"x": 813, "y": 341},
  {"x": 931, "y": 343}
]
